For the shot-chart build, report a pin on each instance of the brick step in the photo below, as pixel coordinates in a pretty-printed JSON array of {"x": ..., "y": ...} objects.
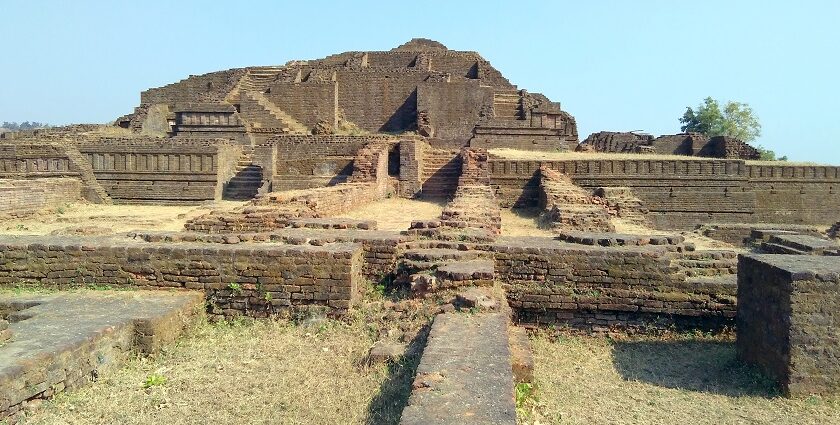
[
  {"x": 439, "y": 254},
  {"x": 724, "y": 284},
  {"x": 464, "y": 273},
  {"x": 774, "y": 248},
  {"x": 248, "y": 172}
]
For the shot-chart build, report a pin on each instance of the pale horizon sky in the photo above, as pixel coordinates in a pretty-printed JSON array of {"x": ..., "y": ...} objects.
[{"x": 614, "y": 65}]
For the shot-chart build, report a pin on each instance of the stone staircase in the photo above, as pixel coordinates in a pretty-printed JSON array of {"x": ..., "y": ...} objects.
[
  {"x": 441, "y": 169},
  {"x": 567, "y": 206},
  {"x": 261, "y": 113},
  {"x": 708, "y": 263},
  {"x": 622, "y": 203},
  {"x": 94, "y": 191},
  {"x": 256, "y": 79},
  {"x": 245, "y": 184},
  {"x": 507, "y": 105},
  {"x": 430, "y": 266},
  {"x": 797, "y": 244}
]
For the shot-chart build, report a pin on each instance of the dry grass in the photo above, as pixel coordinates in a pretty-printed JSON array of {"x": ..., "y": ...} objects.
[
  {"x": 522, "y": 222},
  {"x": 577, "y": 156},
  {"x": 683, "y": 380},
  {"x": 396, "y": 213},
  {"x": 108, "y": 218},
  {"x": 255, "y": 372},
  {"x": 700, "y": 242}
]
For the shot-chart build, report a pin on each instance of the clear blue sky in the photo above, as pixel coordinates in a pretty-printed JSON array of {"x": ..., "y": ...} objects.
[{"x": 615, "y": 65}]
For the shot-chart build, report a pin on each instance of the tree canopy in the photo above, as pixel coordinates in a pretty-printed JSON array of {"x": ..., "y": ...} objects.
[
  {"x": 736, "y": 119},
  {"x": 26, "y": 125}
]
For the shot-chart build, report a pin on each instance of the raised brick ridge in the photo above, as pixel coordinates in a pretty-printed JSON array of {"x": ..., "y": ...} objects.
[{"x": 465, "y": 373}]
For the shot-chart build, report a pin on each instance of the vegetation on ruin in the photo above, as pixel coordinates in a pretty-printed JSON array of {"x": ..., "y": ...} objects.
[
  {"x": 735, "y": 119},
  {"x": 674, "y": 378}
]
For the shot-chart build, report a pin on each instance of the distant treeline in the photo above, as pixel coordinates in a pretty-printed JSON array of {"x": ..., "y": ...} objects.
[{"x": 26, "y": 125}]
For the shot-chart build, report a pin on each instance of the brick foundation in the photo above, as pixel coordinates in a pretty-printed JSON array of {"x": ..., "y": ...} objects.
[{"x": 250, "y": 279}]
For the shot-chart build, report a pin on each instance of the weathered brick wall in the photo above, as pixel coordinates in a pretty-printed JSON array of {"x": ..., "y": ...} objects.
[
  {"x": 617, "y": 142},
  {"x": 302, "y": 162},
  {"x": 213, "y": 86},
  {"x": 593, "y": 287},
  {"x": 307, "y": 102},
  {"x": 249, "y": 279},
  {"x": 453, "y": 108},
  {"x": 787, "y": 319},
  {"x": 411, "y": 167},
  {"x": 683, "y": 194},
  {"x": 151, "y": 170},
  {"x": 380, "y": 248},
  {"x": 392, "y": 91},
  {"x": 23, "y": 197},
  {"x": 17, "y": 160},
  {"x": 227, "y": 159},
  {"x": 795, "y": 194},
  {"x": 679, "y": 144}
]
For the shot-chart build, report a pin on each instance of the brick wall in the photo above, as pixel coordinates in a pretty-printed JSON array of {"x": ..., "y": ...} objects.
[
  {"x": 307, "y": 102},
  {"x": 683, "y": 194},
  {"x": 453, "y": 108},
  {"x": 23, "y": 197},
  {"x": 248, "y": 279},
  {"x": 151, "y": 170},
  {"x": 787, "y": 320},
  {"x": 380, "y": 100},
  {"x": 302, "y": 162},
  {"x": 213, "y": 86},
  {"x": 592, "y": 287}
]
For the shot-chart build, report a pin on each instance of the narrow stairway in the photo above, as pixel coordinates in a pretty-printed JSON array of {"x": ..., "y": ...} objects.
[
  {"x": 245, "y": 184},
  {"x": 265, "y": 114},
  {"x": 507, "y": 105},
  {"x": 441, "y": 169}
]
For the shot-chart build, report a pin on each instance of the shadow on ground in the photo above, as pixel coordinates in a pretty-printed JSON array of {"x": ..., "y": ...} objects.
[
  {"x": 703, "y": 366},
  {"x": 387, "y": 406}
]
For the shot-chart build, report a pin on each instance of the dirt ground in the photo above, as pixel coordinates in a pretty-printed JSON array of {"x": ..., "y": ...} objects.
[
  {"x": 94, "y": 219},
  {"x": 692, "y": 379},
  {"x": 397, "y": 213}
]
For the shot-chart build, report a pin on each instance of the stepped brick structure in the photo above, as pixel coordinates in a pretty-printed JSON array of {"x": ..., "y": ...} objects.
[{"x": 299, "y": 145}]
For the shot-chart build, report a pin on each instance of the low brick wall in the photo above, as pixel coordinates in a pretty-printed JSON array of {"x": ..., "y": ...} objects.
[
  {"x": 251, "y": 279},
  {"x": 380, "y": 249},
  {"x": 593, "y": 287},
  {"x": 23, "y": 197},
  {"x": 788, "y": 313}
]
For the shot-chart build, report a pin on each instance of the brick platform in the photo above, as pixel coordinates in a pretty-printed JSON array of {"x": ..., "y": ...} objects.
[
  {"x": 788, "y": 318},
  {"x": 62, "y": 341}
]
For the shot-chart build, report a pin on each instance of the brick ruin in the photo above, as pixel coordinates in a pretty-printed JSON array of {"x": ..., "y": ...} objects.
[{"x": 299, "y": 144}]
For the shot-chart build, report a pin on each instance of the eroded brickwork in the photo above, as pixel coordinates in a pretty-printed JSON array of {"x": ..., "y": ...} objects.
[
  {"x": 250, "y": 279},
  {"x": 24, "y": 197},
  {"x": 787, "y": 320}
]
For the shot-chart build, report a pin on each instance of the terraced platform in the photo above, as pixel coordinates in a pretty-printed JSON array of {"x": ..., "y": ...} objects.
[{"x": 64, "y": 340}]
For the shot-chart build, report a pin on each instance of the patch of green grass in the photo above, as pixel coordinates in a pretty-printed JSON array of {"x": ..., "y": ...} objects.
[
  {"x": 154, "y": 380},
  {"x": 235, "y": 287}
]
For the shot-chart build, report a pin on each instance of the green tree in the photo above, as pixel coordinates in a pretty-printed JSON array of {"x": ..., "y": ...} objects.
[{"x": 735, "y": 120}]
